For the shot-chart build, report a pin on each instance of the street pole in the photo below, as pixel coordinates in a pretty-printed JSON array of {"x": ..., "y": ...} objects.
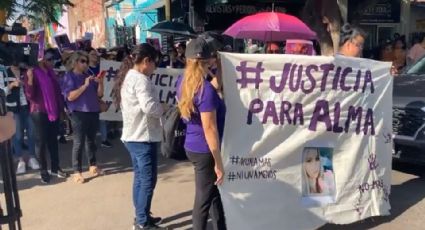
[
  {"x": 170, "y": 39},
  {"x": 191, "y": 13},
  {"x": 106, "y": 16},
  {"x": 168, "y": 10}
]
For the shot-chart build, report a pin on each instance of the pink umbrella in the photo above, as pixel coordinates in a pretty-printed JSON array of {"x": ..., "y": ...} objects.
[{"x": 270, "y": 26}]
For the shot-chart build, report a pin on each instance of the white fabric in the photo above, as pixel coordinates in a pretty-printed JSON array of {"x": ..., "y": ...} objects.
[
  {"x": 164, "y": 80},
  {"x": 275, "y": 178}
]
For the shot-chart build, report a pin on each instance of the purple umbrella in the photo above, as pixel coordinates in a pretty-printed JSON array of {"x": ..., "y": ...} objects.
[{"x": 270, "y": 26}]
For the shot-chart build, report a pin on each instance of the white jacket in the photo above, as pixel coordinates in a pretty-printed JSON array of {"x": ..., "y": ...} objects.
[{"x": 141, "y": 109}]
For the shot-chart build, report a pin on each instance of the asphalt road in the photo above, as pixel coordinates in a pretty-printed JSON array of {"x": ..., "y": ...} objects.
[
  {"x": 407, "y": 202},
  {"x": 105, "y": 202}
]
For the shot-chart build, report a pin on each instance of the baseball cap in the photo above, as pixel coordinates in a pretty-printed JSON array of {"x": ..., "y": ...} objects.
[{"x": 198, "y": 48}]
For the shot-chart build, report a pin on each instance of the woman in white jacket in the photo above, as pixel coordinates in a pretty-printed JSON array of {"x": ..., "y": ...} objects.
[{"x": 141, "y": 111}]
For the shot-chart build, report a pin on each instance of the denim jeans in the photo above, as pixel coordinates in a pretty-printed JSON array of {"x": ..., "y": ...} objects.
[
  {"x": 23, "y": 122},
  {"x": 85, "y": 126},
  {"x": 103, "y": 130},
  {"x": 145, "y": 166},
  {"x": 46, "y": 138}
]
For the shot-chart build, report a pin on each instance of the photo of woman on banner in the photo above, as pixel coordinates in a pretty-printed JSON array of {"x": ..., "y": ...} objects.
[{"x": 317, "y": 174}]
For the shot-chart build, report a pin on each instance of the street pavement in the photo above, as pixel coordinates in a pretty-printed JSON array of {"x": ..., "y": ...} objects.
[{"x": 105, "y": 203}]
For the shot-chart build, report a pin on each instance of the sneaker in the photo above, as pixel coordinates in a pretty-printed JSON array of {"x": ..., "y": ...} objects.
[
  {"x": 21, "y": 167},
  {"x": 59, "y": 173},
  {"x": 45, "y": 177},
  {"x": 106, "y": 144},
  {"x": 62, "y": 140},
  {"x": 152, "y": 219},
  {"x": 33, "y": 164},
  {"x": 148, "y": 227}
]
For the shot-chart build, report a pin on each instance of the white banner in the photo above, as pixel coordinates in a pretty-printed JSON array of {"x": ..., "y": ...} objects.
[
  {"x": 307, "y": 140},
  {"x": 164, "y": 79}
]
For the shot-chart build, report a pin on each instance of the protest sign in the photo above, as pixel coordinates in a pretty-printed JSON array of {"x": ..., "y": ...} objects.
[
  {"x": 37, "y": 36},
  {"x": 164, "y": 79},
  {"x": 63, "y": 43},
  {"x": 305, "y": 141}
]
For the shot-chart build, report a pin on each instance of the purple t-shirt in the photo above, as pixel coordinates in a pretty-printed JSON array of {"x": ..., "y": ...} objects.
[
  {"x": 88, "y": 101},
  {"x": 207, "y": 101}
]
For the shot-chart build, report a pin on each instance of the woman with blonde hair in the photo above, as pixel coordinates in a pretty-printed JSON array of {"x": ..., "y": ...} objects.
[
  {"x": 318, "y": 181},
  {"x": 203, "y": 111},
  {"x": 82, "y": 93}
]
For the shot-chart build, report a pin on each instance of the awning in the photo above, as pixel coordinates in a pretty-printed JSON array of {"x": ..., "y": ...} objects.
[{"x": 154, "y": 6}]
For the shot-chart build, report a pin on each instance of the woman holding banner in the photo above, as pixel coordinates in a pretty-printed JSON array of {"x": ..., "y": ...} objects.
[
  {"x": 141, "y": 111},
  {"x": 351, "y": 41},
  {"x": 203, "y": 110},
  {"x": 82, "y": 93}
]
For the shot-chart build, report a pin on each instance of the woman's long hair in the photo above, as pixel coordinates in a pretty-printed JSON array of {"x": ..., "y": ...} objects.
[
  {"x": 306, "y": 189},
  {"x": 139, "y": 53},
  {"x": 193, "y": 81}
]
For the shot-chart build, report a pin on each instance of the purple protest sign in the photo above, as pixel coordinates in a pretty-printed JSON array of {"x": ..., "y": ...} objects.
[
  {"x": 63, "y": 43},
  {"x": 37, "y": 36}
]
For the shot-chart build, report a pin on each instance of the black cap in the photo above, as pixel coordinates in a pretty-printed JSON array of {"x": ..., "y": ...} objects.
[{"x": 198, "y": 48}]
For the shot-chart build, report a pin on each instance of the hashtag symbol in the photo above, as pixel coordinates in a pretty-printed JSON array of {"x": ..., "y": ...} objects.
[
  {"x": 234, "y": 160},
  {"x": 111, "y": 73},
  {"x": 245, "y": 80},
  {"x": 231, "y": 176}
]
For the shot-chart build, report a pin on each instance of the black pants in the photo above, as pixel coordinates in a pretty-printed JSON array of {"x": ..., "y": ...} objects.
[
  {"x": 85, "y": 125},
  {"x": 207, "y": 196},
  {"x": 45, "y": 137}
]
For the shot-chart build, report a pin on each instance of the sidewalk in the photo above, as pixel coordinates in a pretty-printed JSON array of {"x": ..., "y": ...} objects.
[{"x": 104, "y": 202}]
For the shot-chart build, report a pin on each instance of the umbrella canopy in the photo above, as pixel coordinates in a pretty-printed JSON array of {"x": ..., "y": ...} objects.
[
  {"x": 215, "y": 39},
  {"x": 270, "y": 26},
  {"x": 173, "y": 28}
]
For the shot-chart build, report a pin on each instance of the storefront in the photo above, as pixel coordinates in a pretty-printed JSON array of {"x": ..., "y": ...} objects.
[
  {"x": 381, "y": 20},
  {"x": 219, "y": 16},
  {"x": 417, "y": 20}
]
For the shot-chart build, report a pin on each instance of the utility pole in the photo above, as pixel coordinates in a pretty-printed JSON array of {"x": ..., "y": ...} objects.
[{"x": 168, "y": 10}]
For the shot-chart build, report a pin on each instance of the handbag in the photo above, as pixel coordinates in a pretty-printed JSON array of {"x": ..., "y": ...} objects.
[
  {"x": 103, "y": 106},
  {"x": 173, "y": 135}
]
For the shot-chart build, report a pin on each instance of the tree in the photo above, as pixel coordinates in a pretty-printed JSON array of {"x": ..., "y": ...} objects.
[
  {"x": 44, "y": 11},
  {"x": 324, "y": 17}
]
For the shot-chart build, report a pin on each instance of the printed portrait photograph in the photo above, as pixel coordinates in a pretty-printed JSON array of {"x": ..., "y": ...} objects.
[{"x": 318, "y": 180}]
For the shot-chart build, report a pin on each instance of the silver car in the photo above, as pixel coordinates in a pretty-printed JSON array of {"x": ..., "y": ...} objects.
[{"x": 409, "y": 114}]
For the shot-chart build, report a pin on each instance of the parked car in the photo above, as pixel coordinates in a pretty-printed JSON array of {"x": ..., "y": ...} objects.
[{"x": 409, "y": 114}]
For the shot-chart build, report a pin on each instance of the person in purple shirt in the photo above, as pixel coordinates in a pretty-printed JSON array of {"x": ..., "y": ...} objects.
[
  {"x": 82, "y": 93},
  {"x": 43, "y": 93},
  {"x": 204, "y": 113},
  {"x": 94, "y": 69}
]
